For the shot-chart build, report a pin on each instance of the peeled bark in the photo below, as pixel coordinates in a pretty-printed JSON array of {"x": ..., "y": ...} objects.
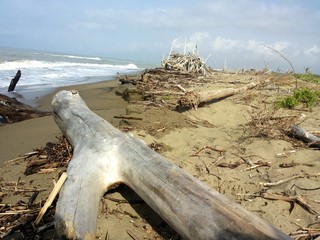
[{"x": 104, "y": 156}]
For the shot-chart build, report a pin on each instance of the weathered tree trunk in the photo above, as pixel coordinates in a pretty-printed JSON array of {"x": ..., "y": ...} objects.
[
  {"x": 195, "y": 99},
  {"x": 14, "y": 81},
  {"x": 104, "y": 156}
]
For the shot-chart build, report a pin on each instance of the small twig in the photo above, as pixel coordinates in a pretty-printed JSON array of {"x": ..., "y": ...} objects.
[
  {"x": 256, "y": 165},
  {"x": 305, "y": 189},
  {"x": 32, "y": 198},
  {"x": 116, "y": 199},
  {"x": 161, "y": 129},
  {"x": 271, "y": 48},
  {"x": 132, "y": 235},
  {"x": 207, "y": 147},
  {"x": 129, "y": 117},
  {"x": 293, "y": 164},
  {"x": 22, "y": 157},
  {"x": 270, "y": 184},
  {"x": 207, "y": 167},
  {"x": 216, "y": 162},
  {"x": 248, "y": 161},
  {"x": 47, "y": 170},
  {"x": 45, "y": 226},
  {"x": 123, "y": 200},
  {"x": 18, "y": 212},
  {"x": 181, "y": 88},
  {"x": 230, "y": 165},
  {"x": 294, "y": 199},
  {"x": 17, "y": 190}
]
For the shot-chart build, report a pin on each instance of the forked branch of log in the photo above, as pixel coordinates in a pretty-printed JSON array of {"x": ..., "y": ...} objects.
[
  {"x": 104, "y": 156},
  {"x": 196, "y": 99}
]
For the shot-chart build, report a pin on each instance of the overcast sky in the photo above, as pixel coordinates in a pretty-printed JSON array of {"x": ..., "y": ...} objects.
[{"x": 232, "y": 31}]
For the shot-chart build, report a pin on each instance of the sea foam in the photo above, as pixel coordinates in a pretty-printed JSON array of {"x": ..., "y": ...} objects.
[{"x": 54, "y": 70}]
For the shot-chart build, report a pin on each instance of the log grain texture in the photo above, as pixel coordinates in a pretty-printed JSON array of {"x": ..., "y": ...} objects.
[{"x": 104, "y": 156}]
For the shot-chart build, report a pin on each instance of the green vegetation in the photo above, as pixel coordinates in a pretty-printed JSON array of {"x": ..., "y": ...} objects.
[
  {"x": 166, "y": 98},
  {"x": 308, "y": 76},
  {"x": 305, "y": 96}
]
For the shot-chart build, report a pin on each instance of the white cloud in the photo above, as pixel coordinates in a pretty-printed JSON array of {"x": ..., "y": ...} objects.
[
  {"x": 280, "y": 45},
  {"x": 250, "y": 53},
  {"x": 313, "y": 51},
  {"x": 220, "y": 43}
]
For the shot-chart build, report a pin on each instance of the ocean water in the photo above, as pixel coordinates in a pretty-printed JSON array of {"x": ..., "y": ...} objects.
[{"x": 47, "y": 70}]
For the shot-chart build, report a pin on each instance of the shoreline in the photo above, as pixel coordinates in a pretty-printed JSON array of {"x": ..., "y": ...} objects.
[{"x": 33, "y": 94}]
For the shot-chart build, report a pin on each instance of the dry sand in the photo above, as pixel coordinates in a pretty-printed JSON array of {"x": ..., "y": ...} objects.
[{"x": 222, "y": 125}]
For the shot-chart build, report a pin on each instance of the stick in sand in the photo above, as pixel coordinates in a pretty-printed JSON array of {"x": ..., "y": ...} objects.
[{"x": 51, "y": 197}]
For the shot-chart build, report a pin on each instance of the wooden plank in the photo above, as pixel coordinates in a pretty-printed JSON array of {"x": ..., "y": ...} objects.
[{"x": 104, "y": 156}]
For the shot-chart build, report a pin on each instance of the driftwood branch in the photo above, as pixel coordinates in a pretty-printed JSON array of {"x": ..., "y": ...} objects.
[
  {"x": 293, "y": 199},
  {"x": 196, "y": 99},
  {"x": 301, "y": 175},
  {"x": 14, "y": 81},
  {"x": 104, "y": 156},
  {"x": 300, "y": 133}
]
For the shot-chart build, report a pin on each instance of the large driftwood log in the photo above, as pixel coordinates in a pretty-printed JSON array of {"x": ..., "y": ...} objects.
[
  {"x": 104, "y": 156},
  {"x": 196, "y": 99}
]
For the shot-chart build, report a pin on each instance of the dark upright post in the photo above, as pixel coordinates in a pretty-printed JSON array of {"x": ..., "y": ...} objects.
[{"x": 14, "y": 81}]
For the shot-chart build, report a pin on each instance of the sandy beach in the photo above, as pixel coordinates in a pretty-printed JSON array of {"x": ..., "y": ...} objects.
[{"x": 195, "y": 141}]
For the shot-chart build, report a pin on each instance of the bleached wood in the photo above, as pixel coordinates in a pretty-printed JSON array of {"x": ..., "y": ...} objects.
[
  {"x": 104, "y": 156},
  {"x": 307, "y": 137},
  {"x": 195, "y": 99}
]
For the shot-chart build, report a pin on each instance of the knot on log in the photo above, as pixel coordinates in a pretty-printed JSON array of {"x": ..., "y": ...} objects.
[{"x": 67, "y": 98}]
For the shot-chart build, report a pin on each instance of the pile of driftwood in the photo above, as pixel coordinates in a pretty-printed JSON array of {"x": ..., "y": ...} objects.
[
  {"x": 49, "y": 158},
  {"x": 171, "y": 88},
  {"x": 189, "y": 62},
  {"x": 17, "y": 220},
  {"x": 11, "y": 110},
  {"x": 20, "y": 215}
]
